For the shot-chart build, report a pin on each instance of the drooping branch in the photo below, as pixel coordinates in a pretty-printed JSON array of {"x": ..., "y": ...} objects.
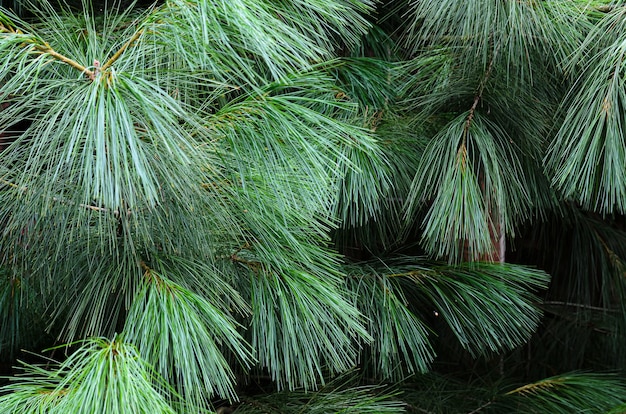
[
  {"x": 498, "y": 240},
  {"x": 462, "y": 152}
]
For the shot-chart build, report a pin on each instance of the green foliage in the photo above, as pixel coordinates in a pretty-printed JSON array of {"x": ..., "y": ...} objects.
[
  {"x": 574, "y": 392},
  {"x": 594, "y": 113},
  {"x": 181, "y": 333},
  {"x": 20, "y": 310},
  {"x": 212, "y": 200},
  {"x": 488, "y": 306},
  {"x": 486, "y": 33},
  {"x": 340, "y": 396},
  {"x": 303, "y": 327},
  {"x": 400, "y": 346},
  {"x": 101, "y": 376},
  {"x": 571, "y": 393},
  {"x": 472, "y": 174}
]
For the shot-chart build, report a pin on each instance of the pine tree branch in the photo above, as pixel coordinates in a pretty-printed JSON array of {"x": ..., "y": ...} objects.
[
  {"x": 46, "y": 49},
  {"x": 91, "y": 74},
  {"x": 479, "y": 93},
  {"x": 121, "y": 50},
  {"x": 578, "y": 305},
  {"x": 487, "y": 404}
]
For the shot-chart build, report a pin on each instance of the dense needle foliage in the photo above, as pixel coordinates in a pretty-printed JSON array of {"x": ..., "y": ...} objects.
[{"x": 321, "y": 206}]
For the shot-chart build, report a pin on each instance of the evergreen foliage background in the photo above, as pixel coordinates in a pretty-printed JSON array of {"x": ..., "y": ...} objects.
[{"x": 315, "y": 206}]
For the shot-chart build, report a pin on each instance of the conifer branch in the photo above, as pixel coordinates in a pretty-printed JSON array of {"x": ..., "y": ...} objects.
[
  {"x": 121, "y": 50},
  {"x": 46, "y": 49}
]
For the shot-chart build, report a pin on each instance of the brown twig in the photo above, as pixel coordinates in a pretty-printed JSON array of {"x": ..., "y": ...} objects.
[
  {"x": 144, "y": 266},
  {"x": 577, "y": 305},
  {"x": 10, "y": 184},
  {"x": 46, "y": 49},
  {"x": 479, "y": 409},
  {"x": 91, "y": 74},
  {"x": 479, "y": 92},
  {"x": 121, "y": 50}
]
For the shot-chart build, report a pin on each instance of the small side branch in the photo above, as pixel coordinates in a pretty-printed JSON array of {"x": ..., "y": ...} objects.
[
  {"x": 479, "y": 409},
  {"x": 119, "y": 53},
  {"x": 479, "y": 92},
  {"x": 46, "y": 49},
  {"x": 577, "y": 305}
]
